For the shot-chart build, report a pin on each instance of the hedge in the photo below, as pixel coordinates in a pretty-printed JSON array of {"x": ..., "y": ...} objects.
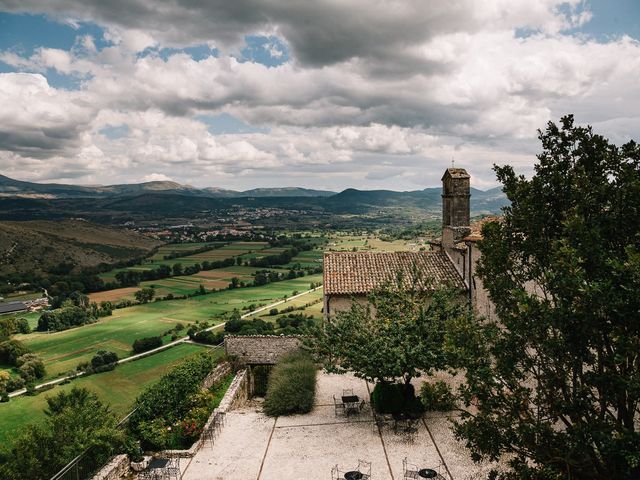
[{"x": 292, "y": 386}]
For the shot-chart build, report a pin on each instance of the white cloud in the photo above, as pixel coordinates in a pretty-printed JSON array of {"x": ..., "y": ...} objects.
[{"x": 407, "y": 83}]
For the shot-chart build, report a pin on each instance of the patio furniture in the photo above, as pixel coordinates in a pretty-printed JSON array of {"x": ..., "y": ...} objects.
[
  {"x": 399, "y": 421},
  {"x": 351, "y": 404},
  {"x": 380, "y": 421},
  {"x": 173, "y": 468},
  {"x": 364, "y": 468},
  {"x": 353, "y": 475},
  {"x": 432, "y": 473},
  {"x": 410, "y": 429},
  {"x": 336, "y": 474},
  {"x": 338, "y": 406},
  {"x": 409, "y": 470},
  {"x": 157, "y": 469}
]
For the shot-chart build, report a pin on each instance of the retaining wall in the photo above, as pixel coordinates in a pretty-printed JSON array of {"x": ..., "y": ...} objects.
[{"x": 261, "y": 349}]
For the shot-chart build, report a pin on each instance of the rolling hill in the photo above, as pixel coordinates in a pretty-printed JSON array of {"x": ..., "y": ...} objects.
[{"x": 40, "y": 246}]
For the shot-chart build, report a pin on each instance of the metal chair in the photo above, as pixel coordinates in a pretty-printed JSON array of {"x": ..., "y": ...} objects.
[
  {"x": 338, "y": 406},
  {"x": 409, "y": 470},
  {"x": 364, "y": 468},
  {"x": 173, "y": 468},
  {"x": 336, "y": 474},
  {"x": 379, "y": 421},
  {"x": 410, "y": 429}
]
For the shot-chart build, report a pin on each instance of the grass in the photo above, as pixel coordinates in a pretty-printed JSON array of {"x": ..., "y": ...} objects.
[
  {"x": 118, "y": 387},
  {"x": 315, "y": 309},
  {"x": 62, "y": 351},
  {"x": 234, "y": 249}
]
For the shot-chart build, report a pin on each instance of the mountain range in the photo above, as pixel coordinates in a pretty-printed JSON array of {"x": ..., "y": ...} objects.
[
  {"x": 11, "y": 187},
  {"x": 27, "y": 200}
]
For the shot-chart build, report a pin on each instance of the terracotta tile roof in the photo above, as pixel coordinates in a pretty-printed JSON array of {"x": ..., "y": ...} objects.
[
  {"x": 476, "y": 228},
  {"x": 361, "y": 272}
]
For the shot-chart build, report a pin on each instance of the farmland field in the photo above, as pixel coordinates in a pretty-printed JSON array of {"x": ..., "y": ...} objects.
[
  {"x": 216, "y": 253},
  {"x": 62, "y": 351},
  {"x": 118, "y": 387},
  {"x": 315, "y": 309}
]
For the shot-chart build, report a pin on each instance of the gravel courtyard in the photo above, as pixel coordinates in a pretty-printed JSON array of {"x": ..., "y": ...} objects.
[{"x": 253, "y": 446}]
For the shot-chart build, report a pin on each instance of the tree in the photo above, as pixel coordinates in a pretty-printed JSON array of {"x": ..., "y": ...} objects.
[
  {"x": 75, "y": 421},
  {"x": 177, "y": 269},
  {"x": 557, "y": 381},
  {"x": 398, "y": 335},
  {"x": 145, "y": 295}
]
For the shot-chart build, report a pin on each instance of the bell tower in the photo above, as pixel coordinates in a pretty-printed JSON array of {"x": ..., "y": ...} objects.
[{"x": 456, "y": 210}]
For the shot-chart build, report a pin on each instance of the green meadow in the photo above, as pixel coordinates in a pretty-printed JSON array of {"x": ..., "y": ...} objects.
[
  {"x": 62, "y": 351},
  {"x": 118, "y": 387}
]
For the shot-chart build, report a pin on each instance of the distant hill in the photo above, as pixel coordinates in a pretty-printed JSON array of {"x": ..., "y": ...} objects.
[
  {"x": 161, "y": 200},
  {"x": 18, "y": 188},
  {"x": 40, "y": 246}
]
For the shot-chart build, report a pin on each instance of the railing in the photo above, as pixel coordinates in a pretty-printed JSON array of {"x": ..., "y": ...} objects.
[{"x": 85, "y": 465}]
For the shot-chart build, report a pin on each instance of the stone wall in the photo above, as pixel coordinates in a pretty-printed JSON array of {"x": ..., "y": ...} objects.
[
  {"x": 261, "y": 349},
  {"x": 235, "y": 397},
  {"x": 117, "y": 468},
  {"x": 216, "y": 375}
]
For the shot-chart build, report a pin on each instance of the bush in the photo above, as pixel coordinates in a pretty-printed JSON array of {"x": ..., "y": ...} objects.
[
  {"x": 10, "y": 350},
  {"x": 167, "y": 401},
  {"x": 30, "y": 367},
  {"x": 292, "y": 386},
  {"x": 387, "y": 397},
  {"x": 437, "y": 396},
  {"x": 146, "y": 344},
  {"x": 103, "y": 361},
  {"x": 14, "y": 383}
]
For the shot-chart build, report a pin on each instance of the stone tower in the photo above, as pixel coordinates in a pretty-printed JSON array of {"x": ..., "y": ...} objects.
[{"x": 456, "y": 208}]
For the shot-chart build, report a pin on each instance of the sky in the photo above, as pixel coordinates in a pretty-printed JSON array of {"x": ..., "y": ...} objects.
[{"x": 329, "y": 94}]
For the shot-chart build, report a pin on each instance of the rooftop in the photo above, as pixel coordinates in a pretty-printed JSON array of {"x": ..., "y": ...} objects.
[
  {"x": 347, "y": 273},
  {"x": 12, "y": 307},
  {"x": 456, "y": 173}
]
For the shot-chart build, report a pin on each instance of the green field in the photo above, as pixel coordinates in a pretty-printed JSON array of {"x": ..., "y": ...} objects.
[
  {"x": 62, "y": 351},
  {"x": 118, "y": 387},
  {"x": 233, "y": 249},
  {"x": 315, "y": 309}
]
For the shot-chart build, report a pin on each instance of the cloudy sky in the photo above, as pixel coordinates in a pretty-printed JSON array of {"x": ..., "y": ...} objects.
[{"x": 323, "y": 94}]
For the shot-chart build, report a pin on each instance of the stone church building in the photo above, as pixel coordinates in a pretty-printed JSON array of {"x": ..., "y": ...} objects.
[{"x": 350, "y": 276}]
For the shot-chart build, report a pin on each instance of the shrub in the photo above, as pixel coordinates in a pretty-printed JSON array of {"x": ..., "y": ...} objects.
[
  {"x": 437, "y": 396},
  {"x": 169, "y": 400},
  {"x": 103, "y": 361},
  {"x": 10, "y": 350},
  {"x": 14, "y": 383},
  {"x": 292, "y": 386},
  {"x": 147, "y": 343},
  {"x": 30, "y": 367},
  {"x": 387, "y": 397}
]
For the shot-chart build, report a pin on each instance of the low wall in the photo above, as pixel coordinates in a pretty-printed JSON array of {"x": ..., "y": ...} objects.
[
  {"x": 117, "y": 468},
  {"x": 236, "y": 396},
  {"x": 218, "y": 374},
  {"x": 261, "y": 349}
]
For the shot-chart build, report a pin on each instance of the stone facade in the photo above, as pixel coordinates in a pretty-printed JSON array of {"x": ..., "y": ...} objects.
[{"x": 261, "y": 349}]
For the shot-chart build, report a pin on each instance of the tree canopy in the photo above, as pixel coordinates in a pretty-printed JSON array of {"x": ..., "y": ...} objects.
[
  {"x": 398, "y": 334},
  {"x": 557, "y": 381}
]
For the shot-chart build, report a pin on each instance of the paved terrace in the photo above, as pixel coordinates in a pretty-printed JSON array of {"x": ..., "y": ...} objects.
[{"x": 253, "y": 446}]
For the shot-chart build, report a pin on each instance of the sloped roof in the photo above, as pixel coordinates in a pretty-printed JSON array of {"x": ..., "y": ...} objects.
[
  {"x": 476, "y": 228},
  {"x": 347, "y": 273},
  {"x": 456, "y": 173},
  {"x": 13, "y": 307}
]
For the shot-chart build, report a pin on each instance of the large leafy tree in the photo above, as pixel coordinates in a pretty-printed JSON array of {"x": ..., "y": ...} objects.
[
  {"x": 76, "y": 421},
  {"x": 556, "y": 380},
  {"x": 397, "y": 335}
]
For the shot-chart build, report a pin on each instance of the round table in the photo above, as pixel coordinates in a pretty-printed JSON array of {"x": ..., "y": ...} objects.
[
  {"x": 353, "y": 475},
  {"x": 428, "y": 473}
]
